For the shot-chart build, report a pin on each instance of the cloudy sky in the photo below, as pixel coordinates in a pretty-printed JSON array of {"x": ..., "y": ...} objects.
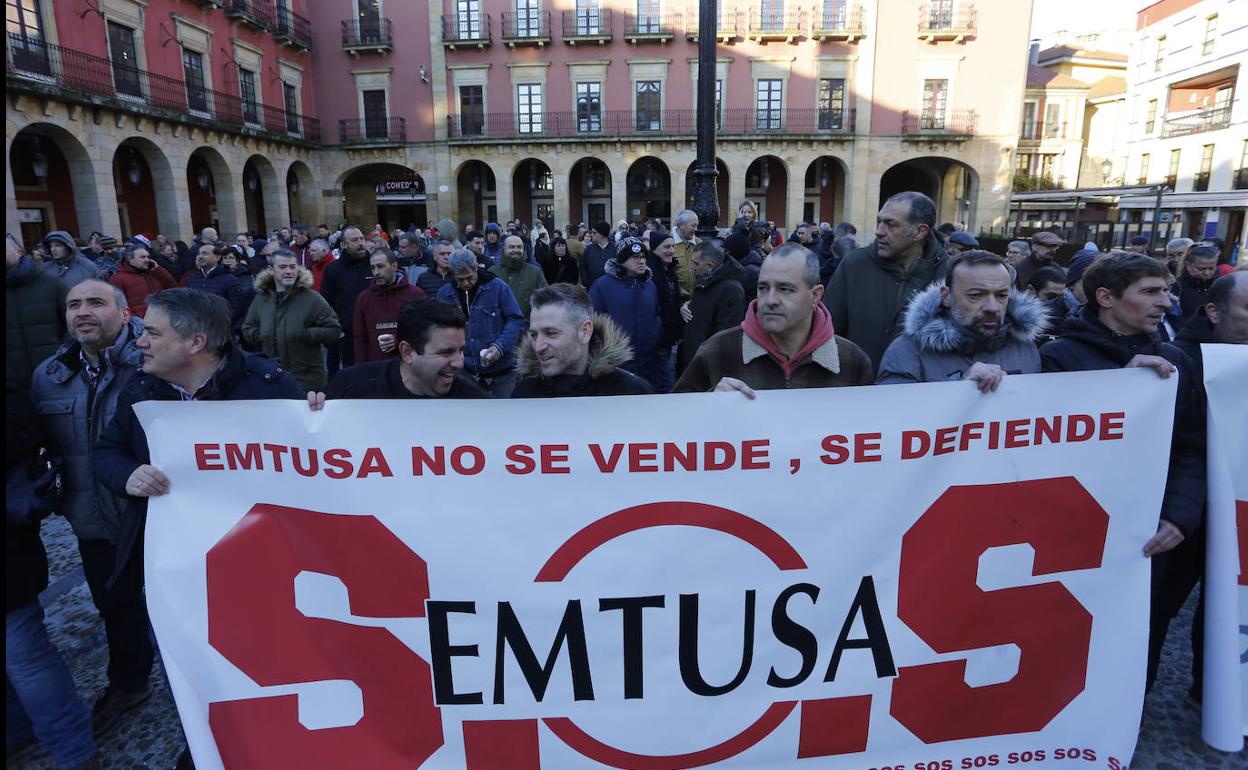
[{"x": 1111, "y": 18}]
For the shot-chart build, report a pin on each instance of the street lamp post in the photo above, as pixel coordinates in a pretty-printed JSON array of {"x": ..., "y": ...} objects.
[{"x": 705, "y": 196}]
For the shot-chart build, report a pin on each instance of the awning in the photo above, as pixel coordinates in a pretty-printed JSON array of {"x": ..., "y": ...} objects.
[{"x": 1194, "y": 200}]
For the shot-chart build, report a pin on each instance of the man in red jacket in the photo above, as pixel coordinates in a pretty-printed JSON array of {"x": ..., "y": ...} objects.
[
  {"x": 377, "y": 308},
  {"x": 139, "y": 277}
]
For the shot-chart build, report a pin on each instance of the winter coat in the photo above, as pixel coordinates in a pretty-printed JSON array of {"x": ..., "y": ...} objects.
[
  {"x": 25, "y": 560},
  {"x": 1193, "y": 294},
  {"x": 609, "y": 349},
  {"x": 684, "y": 262},
  {"x": 936, "y": 348},
  {"x": 523, "y": 279},
  {"x": 220, "y": 281},
  {"x": 317, "y": 269},
  {"x": 377, "y": 313},
  {"x": 633, "y": 303},
  {"x": 867, "y": 295},
  {"x": 123, "y": 446},
  {"x": 138, "y": 285},
  {"x": 594, "y": 262},
  {"x": 494, "y": 318},
  {"x": 1024, "y": 269},
  {"x": 667, "y": 284},
  {"x": 34, "y": 313},
  {"x": 292, "y": 327},
  {"x": 561, "y": 269},
  {"x": 1197, "y": 331},
  {"x": 1086, "y": 344},
  {"x": 246, "y": 292},
  {"x": 382, "y": 379},
  {"x": 751, "y": 266},
  {"x": 72, "y": 273},
  {"x": 73, "y": 415},
  {"x": 732, "y": 353},
  {"x": 430, "y": 281},
  {"x": 718, "y": 303},
  {"x": 341, "y": 285}
]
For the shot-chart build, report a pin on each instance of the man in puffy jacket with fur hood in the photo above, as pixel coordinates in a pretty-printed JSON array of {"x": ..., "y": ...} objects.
[{"x": 970, "y": 327}]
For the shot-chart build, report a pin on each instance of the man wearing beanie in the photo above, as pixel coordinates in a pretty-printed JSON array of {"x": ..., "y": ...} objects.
[
  {"x": 785, "y": 341},
  {"x": 626, "y": 294},
  {"x": 67, "y": 264},
  {"x": 600, "y": 250}
]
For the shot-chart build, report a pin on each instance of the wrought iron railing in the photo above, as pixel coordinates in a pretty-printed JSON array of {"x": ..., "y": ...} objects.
[
  {"x": 587, "y": 23},
  {"x": 728, "y": 24},
  {"x": 626, "y": 123},
  {"x": 466, "y": 29},
  {"x": 133, "y": 88},
  {"x": 293, "y": 28},
  {"x": 947, "y": 123},
  {"x": 660, "y": 25},
  {"x": 1036, "y": 130},
  {"x": 777, "y": 22},
  {"x": 943, "y": 20},
  {"x": 258, "y": 13},
  {"x": 390, "y": 130},
  {"x": 361, "y": 33},
  {"x": 528, "y": 25},
  {"x": 839, "y": 20},
  {"x": 1197, "y": 122}
]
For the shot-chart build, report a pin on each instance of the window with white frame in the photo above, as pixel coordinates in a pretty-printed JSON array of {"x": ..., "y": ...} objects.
[
  {"x": 1150, "y": 119},
  {"x": 768, "y": 104},
  {"x": 1052, "y": 121},
  {"x": 771, "y": 15},
  {"x": 528, "y": 18},
  {"x": 588, "y": 107},
  {"x": 835, "y": 15},
  {"x": 1159, "y": 56},
  {"x": 1211, "y": 35},
  {"x": 935, "y": 104},
  {"x": 468, "y": 19},
  {"x": 648, "y": 17},
  {"x": 940, "y": 14},
  {"x": 529, "y": 108},
  {"x": 1144, "y": 164},
  {"x": 588, "y": 17}
]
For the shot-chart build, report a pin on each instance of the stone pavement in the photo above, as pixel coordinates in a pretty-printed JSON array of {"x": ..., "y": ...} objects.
[{"x": 150, "y": 738}]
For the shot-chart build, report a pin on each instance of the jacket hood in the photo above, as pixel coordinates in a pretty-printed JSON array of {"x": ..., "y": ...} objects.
[
  {"x": 62, "y": 236},
  {"x": 493, "y": 227},
  {"x": 400, "y": 280},
  {"x": 933, "y": 252},
  {"x": 447, "y": 229},
  {"x": 65, "y": 363},
  {"x": 613, "y": 269},
  {"x": 266, "y": 282},
  {"x": 609, "y": 349},
  {"x": 934, "y": 329}
]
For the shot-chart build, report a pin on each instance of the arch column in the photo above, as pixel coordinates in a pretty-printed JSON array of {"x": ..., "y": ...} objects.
[
  {"x": 795, "y": 201},
  {"x": 232, "y": 206},
  {"x": 678, "y": 192},
  {"x": 105, "y": 218},
  {"x": 502, "y": 195},
  {"x": 173, "y": 207},
  {"x": 619, "y": 196},
  {"x": 736, "y": 190},
  {"x": 562, "y": 173}
]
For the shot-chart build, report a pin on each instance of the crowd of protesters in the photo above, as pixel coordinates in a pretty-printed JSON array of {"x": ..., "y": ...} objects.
[{"x": 502, "y": 311}]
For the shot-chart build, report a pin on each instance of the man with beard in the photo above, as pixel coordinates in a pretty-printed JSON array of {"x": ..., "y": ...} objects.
[
  {"x": 520, "y": 276},
  {"x": 341, "y": 285},
  {"x": 785, "y": 341},
  {"x": 139, "y": 277},
  {"x": 971, "y": 327},
  {"x": 571, "y": 351},
  {"x": 430, "y": 361}
]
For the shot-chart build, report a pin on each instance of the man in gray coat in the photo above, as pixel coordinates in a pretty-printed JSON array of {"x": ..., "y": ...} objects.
[
  {"x": 67, "y": 262},
  {"x": 972, "y": 326},
  {"x": 75, "y": 392}
]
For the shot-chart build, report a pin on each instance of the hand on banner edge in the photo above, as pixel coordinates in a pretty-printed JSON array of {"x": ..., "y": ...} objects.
[
  {"x": 147, "y": 481},
  {"x": 316, "y": 400},
  {"x": 1167, "y": 538},
  {"x": 729, "y": 384}
]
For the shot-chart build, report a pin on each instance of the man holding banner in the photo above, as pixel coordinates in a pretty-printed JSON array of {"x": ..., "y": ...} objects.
[{"x": 1127, "y": 298}]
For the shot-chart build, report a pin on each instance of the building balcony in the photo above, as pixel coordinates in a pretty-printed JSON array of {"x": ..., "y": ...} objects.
[
  {"x": 779, "y": 24},
  {"x": 373, "y": 131},
  {"x": 841, "y": 22},
  {"x": 1196, "y": 122},
  {"x": 940, "y": 23},
  {"x": 1038, "y": 131},
  {"x": 587, "y": 26},
  {"x": 616, "y": 124},
  {"x": 652, "y": 29},
  {"x": 1200, "y": 182},
  {"x": 56, "y": 72},
  {"x": 955, "y": 125},
  {"x": 258, "y": 13},
  {"x": 1240, "y": 180},
  {"x": 727, "y": 29},
  {"x": 367, "y": 35},
  {"x": 293, "y": 29},
  {"x": 528, "y": 28},
  {"x": 467, "y": 30}
]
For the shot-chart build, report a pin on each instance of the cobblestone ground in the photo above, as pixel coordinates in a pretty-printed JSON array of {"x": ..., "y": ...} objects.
[{"x": 150, "y": 739}]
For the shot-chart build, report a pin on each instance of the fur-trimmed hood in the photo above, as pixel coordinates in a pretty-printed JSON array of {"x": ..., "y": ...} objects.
[
  {"x": 614, "y": 270},
  {"x": 266, "y": 282},
  {"x": 934, "y": 329},
  {"x": 609, "y": 349}
]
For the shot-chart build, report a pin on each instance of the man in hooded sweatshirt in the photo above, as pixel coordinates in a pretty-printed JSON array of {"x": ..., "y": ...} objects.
[
  {"x": 521, "y": 276},
  {"x": 493, "y": 249},
  {"x": 785, "y": 341},
  {"x": 973, "y": 326},
  {"x": 377, "y": 308},
  {"x": 627, "y": 294},
  {"x": 67, "y": 263},
  {"x": 867, "y": 294}
]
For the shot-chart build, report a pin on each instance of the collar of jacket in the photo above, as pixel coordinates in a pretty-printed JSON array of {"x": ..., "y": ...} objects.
[
  {"x": 934, "y": 330},
  {"x": 66, "y": 363},
  {"x": 609, "y": 349},
  {"x": 827, "y": 355},
  {"x": 933, "y": 255}
]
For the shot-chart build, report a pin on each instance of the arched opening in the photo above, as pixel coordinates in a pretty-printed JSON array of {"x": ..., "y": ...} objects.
[
  {"x": 53, "y": 183},
  {"x": 951, "y": 184},
  {"x": 300, "y": 194},
  {"x": 533, "y": 193},
  {"x": 767, "y": 184},
  {"x": 209, "y": 188},
  {"x": 589, "y": 192},
  {"x": 824, "y": 186},
  {"x": 477, "y": 195},
  {"x": 726, "y": 213},
  {"x": 261, "y": 197},
  {"x": 648, "y": 191},
  {"x": 143, "y": 181},
  {"x": 385, "y": 194}
]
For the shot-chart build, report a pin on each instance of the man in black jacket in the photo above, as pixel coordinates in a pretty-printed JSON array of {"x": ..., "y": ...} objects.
[
  {"x": 570, "y": 351},
  {"x": 1127, "y": 297},
  {"x": 344, "y": 279},
  {"x": 430, "y": 363},
  {"x": 718, "y": 300}
]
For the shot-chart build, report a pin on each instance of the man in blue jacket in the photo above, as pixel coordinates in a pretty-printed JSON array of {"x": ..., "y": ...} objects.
[
  {"x": 1117, "y": 328},
  {"x": 626, "y": 294},
  {"x": 495, "y": 322}
]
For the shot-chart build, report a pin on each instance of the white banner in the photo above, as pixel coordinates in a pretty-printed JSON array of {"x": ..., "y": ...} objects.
[
  {"x": 1225, "y": 712},
  {"x": 919, "y": 577}
]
